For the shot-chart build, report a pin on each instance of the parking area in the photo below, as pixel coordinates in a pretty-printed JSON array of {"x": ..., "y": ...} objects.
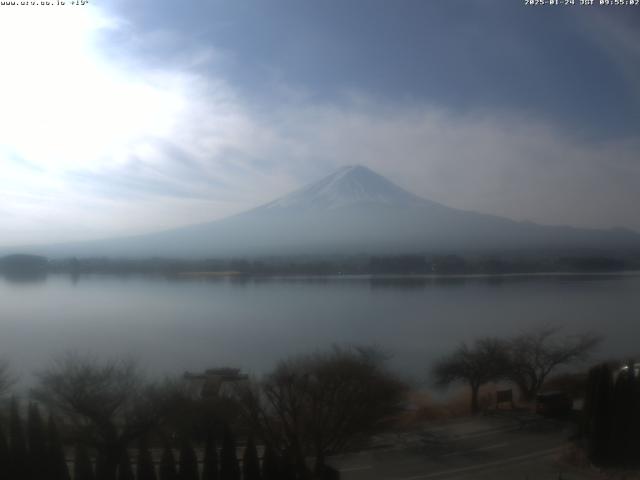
[{"x": 508, "y": 445}]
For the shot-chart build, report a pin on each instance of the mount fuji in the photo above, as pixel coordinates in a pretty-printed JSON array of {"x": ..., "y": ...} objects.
[{"x": 356, "y": 211}]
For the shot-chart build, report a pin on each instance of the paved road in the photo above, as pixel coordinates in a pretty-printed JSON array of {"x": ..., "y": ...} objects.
[{"x": 491, "y": 447}]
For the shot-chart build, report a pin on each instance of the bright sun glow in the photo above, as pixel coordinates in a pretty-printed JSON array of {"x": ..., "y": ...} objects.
[{"x": 63, "y": 106}]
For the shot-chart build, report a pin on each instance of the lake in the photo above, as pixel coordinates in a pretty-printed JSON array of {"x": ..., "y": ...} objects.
[{"x": 174, "y": 325}]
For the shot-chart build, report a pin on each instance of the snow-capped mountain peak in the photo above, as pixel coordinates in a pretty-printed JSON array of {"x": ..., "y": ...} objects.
[
  {"x": 356, "y": 211},
  {"x": 348, "y": 186}
]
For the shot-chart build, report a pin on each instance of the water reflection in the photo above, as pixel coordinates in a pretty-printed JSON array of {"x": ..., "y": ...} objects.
[
  {"x": 175, "y": 323},
  {"x": 374, "y": 281},
  {"x": 24, "y": 277}
]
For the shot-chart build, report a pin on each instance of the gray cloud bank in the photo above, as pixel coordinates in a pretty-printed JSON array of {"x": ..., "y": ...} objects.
[{"x": 219, "y": 153}]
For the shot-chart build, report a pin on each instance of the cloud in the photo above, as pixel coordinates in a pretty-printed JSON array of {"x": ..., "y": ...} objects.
[
  {"x": 618, "y": 36},
  {"x": 85, "y": 133},
  {"x": 112, "y": 146},
  {"x": 494, "y": 162}
]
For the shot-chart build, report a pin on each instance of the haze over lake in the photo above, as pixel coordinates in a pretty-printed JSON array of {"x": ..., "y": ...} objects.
[{"x": 175, "y": 325}]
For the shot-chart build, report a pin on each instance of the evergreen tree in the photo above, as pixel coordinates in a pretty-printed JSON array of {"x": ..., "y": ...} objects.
[
  {"x": 124, "y": 467},
  {"x": 622, "y": 414},
  {"x": 634, "y": 444},
  {"x": 146, "y": 470},
  {"x": 229, "y": 468},
  {"x": 168, "y": 464},
  {"x": 102, "y": 470},
  {"x": 631, "y": 450},
  {"x": 250, "y": 462},
  {"x": 57, "y": 462},
  {"x": 270, "y": 470},
  {"x": 600, "y": 435},
  {"x": 82, "y": 468},
  {"x": 188, "y": 462},
  {"x": 37, "y": 441},
  {"x": 4, "y": 453},
  {"x": 19, "y": 463},
  {"x": 210, "y": 468},
  {"x": 330, "y": 473},
  {"x": 287, "y": 471},
  {"x": 588, "y": 408}
]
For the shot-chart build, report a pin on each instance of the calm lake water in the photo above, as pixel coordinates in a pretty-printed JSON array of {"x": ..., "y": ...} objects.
[{"x": 172, "y": 326}]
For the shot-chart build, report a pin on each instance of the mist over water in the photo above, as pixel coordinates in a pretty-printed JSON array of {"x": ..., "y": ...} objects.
[{"x": 171, "y": 326}]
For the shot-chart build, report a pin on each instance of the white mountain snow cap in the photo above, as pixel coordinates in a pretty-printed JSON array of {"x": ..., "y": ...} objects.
[{"x": 347, "y": 186}]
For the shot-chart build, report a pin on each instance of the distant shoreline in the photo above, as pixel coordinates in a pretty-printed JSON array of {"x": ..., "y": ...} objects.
[
  {"x": 210, "y": 274},
  {"x": 417, "y": 276},
  {"x": 391, "y": 278},
  {"x": 408, "y": 266}
]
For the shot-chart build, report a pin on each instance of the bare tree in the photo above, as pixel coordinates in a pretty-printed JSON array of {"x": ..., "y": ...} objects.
[
  {"x": 6, "y": 379},
  {"x": 109, "y": 403},
  {"x": 534, "y": 355},
  {"x": 477, "y": 364},
  {"x": 317, "y": 405}
]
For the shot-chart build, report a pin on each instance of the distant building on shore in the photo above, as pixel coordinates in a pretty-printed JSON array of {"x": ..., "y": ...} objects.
[{"x": 216, "y": 382}]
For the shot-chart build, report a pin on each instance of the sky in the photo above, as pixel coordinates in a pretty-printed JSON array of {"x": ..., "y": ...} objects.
[{"x": 120, "y": 117}]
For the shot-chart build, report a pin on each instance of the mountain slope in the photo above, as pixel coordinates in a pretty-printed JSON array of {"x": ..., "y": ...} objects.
[{"x": 356, "y": 211}]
